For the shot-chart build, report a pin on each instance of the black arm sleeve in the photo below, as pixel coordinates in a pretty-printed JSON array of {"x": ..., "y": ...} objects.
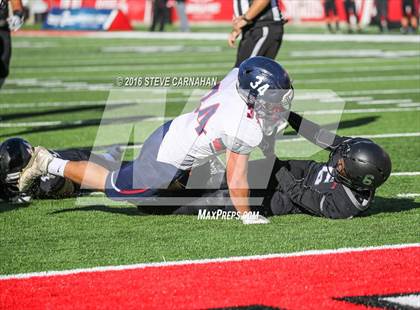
[
  {"x": 314, "y": 133},
  {"x": 312, "y": 201}
]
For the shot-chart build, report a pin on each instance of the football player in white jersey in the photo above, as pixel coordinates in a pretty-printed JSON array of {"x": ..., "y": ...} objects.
[{"x": 233, "y": 117}]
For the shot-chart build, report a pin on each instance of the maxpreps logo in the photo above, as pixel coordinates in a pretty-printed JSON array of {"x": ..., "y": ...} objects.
[{"x": 220, "y": 214}]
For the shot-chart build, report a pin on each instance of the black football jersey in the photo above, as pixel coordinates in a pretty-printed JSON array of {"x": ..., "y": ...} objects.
[
  {"x": 336, "y": 199},
  {"x": 270, "y": 14}
]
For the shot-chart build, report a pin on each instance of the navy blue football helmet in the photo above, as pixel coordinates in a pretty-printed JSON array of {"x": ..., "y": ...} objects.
[{"x": 266, "y": 87}]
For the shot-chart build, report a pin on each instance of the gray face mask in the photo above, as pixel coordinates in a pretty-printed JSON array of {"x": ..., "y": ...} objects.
[{"x": 271, "y": 106}]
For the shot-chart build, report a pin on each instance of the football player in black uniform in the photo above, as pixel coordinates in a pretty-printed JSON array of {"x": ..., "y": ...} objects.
[
  {"x": 331, "y": 16},
  {"x": 341, "y": 188},
  {"x": 7, "y": 24},
  {"x": 409, "y": 19},
  {"x": 261, "y": 25},
  {"x": 15, "y": 154}
]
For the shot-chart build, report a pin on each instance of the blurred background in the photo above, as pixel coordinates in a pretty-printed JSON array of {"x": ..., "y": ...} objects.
[{"x": 138, "y": 14}]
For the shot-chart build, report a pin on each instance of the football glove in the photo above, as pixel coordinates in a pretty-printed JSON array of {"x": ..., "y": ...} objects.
[{"x": 15, "y": 21}]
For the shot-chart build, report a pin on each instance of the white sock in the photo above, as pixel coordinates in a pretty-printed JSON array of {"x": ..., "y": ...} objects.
[{"x": 56, "y": 167}]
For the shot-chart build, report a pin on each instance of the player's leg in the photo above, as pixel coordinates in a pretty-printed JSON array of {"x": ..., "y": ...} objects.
[
  {"x": 245, "y": 47},
  {"x": 327, "y": 12},
  {"x": 335, "y": 17},
  {"x": 413, "y": 17},
  {"x": 272, "y": 44},
  {"x": 347, "y": 9},
  {"x": 146, "y": 176},
  {"x": 87, "y": 174},
  {"x": 5, "y": 54},
  {"x": 110, "y": 160},
  {"x": 80, "y": 172}
]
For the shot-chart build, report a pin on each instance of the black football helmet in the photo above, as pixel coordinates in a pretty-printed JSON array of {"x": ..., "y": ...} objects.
[
  {"x": 266, "y": 87},
  {"x": 15, "y": 154},
  {"x": 3, "y": 4},
  {"x": 366, "y": 165}
]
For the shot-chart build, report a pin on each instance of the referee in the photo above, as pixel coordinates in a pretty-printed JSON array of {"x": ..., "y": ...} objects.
[
  {"x": 7, "y": 24},
  {"x": 261, "y": 24}
]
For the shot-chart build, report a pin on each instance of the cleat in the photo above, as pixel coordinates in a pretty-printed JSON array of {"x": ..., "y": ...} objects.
[{"x": 37, "y": 166}]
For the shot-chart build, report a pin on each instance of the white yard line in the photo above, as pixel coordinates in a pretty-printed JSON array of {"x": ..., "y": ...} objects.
[
  {"x": 409, "y": 105},
  {"x": 154, "y": 119},
  {"x": 307, "y": 62},
  {"x": 405, "y": 174},
  {"x": 384, "y": 101},
  {"x": 361, "y": 111},
  {"x": 210, "y": 261},
  {"x": 42, "y": 86},
  {"x": 377, "y": 136},
  {"x": 378, "y": 92},
  {"x": 361, "y": 79},
  {"x": 218, "y": 65},
  {"x": 408, "y": 195},
  {"x": 84, "y": 103},
  {"x": 322, "y": 97},
  {"x": 354, "y": 53},
  {"x": 211, "y": 36},
  {"x": 346, "y": 99}
]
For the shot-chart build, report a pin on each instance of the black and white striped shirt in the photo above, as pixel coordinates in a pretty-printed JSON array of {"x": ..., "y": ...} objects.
[{"x": 271, "y": 14}]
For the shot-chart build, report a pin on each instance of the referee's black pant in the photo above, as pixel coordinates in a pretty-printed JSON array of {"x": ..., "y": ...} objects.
[
  {"x": 5, "y": 54},
  {"x": 260, "y": 41}
]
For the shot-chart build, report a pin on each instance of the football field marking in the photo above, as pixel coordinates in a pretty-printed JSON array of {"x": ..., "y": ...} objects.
[
  {"x": 217, "y": 36},
  {"x": 408, "y": 195},
  {"x": 384, "y": 101},
  {"x": 175, "y": 59},
  {"x": 412, "y": 300},
  {"x": 354, "y": 53},
  {"x": 156, "y": 67},
  {"x": 405, "y": 174},
  {"x": 327, "y": 99},
  {"x": 207, "y": 261}
]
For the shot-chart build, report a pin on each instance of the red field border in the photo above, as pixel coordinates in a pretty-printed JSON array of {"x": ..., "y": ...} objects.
[{"x": 326, "y": 279}]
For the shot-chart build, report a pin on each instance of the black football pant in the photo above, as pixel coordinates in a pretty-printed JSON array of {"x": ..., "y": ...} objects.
[
  {"x": 5, "y": 54},
  {"x": 260, "y": 41},
  {"x": 350, "y": 8}
]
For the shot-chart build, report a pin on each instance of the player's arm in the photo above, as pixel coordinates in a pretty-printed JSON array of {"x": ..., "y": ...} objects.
[
  {"x": 17, "y": 5},
  {"x": 256, "y": 8},
  {"x": 241, "y": 21},
  {"x": 237, "y": 180},
  {"x": 314, "y": 133},
  {"x": 16, "y": 20}
]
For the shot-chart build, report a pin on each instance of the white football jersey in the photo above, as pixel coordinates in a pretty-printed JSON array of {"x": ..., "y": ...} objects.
[{"x": 222, "y": 121}]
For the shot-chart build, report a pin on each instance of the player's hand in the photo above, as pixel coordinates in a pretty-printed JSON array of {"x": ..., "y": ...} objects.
[
  {"x": 15, "y": 22},
  {"x": 251, "y": 219},
  {"x": 238, "y": 23},
  {"x": 232, "y": 37}
]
